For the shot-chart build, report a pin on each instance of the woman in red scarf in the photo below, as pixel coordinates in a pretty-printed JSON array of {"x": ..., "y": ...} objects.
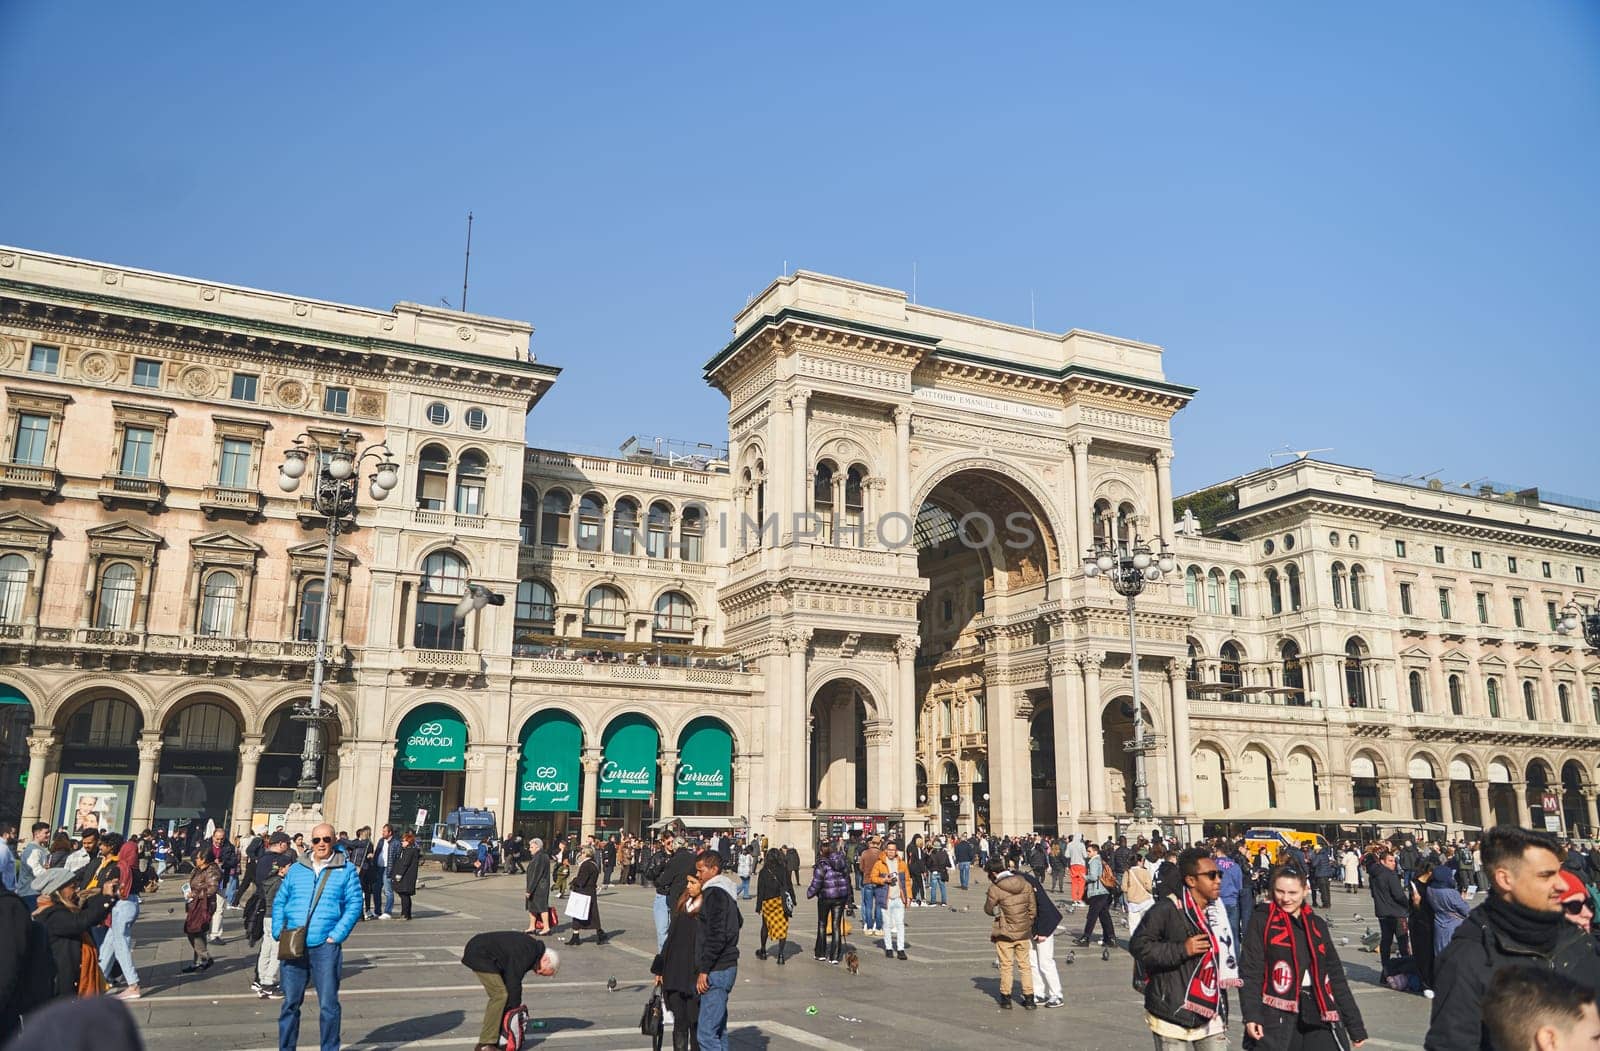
[{"x": 1295, "y": 996}]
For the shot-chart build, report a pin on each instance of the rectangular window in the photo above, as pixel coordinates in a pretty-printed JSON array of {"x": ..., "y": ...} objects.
[
  {"x": 1516, "y": 612},
  {"x": 1477, "y": 560},
  {"x": 1544, "y": 569},
  {"x": 1577, "y": 574},
  {"x": 949, "y": 611},
  {"x": 44, "y": 359},
  {"x": 1438, "y": 554},
  {"x": 1483, "y": 608},
  {"x": 336, "y": 400},
  {"x": 1444, "y": 603},
  {"x": 1550, "y": 608},
  {"x": 146, "y": 373},
  {"x": 235, "y": 469},
  {"x": 1405, "y": 598},
  {"x": 1399, "y": 549},
  {"x": 138, "y": 445},
  {"x": 1511, "y": 563},
  {"x": 244, "y": 387},
  {"x": 33, "y": 439}
]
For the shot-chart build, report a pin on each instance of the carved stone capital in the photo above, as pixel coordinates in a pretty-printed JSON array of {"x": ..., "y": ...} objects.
[
  {"x": 1163, "y": 458},
  {"x": 906, "y": 646},
  {"x": 797, "y": 640},
  {"x": 149, "y": 748},
  {"x": 1091, "y": 661},
  {"x": 251, "y": 753},
  {"x": 1177, "y": 670},
  {"x": 40, "y": 745},
  {"x": 902, "y": 415}
]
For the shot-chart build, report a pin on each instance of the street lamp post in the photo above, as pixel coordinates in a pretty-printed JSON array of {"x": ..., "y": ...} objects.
[
  {"x": 1573, "y": 616},
  {"x": 1128, "y": 566},
  {"x": 335, "y": 480}
]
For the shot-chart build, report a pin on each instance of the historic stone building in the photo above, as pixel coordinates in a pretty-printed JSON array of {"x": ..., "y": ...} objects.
[{"x": 867, "y": 610}]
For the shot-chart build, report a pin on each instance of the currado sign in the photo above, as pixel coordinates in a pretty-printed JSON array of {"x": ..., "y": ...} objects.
[
  {"x": 705, "y": 763},
  {"x": 548, "y": 769},
  {"x": 432, "y": 737},
  {"x": 628, "y": 767}
]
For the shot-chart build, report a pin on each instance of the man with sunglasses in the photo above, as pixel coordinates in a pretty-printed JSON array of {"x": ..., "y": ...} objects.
[
  {"x": 328, "y": 924},
  {"x": 1185, "y": 947}
]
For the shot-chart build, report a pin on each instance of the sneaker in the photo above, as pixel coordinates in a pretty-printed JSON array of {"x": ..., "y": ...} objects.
[
  {"x": 900, "y": 954},
  {"x": 386, "y": 916},
  {"x": 1054, "y": 1001},
  {"x": 262, "y": 994},
  {"x": 888, "y": 953},
  {"x": 130, "y": 993},
  {"x": 274, "y": 993},
  {"x": 258, "y": 988}
]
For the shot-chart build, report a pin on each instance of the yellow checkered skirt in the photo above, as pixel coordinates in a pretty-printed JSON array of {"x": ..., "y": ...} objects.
[{"x": 777, "y": 922}]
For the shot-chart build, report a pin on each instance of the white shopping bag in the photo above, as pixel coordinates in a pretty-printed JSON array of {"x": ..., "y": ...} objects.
[{"x": 578, "y": 906}]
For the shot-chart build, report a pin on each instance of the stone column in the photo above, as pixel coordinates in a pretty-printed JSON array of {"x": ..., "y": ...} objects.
[
  {"x": 386, "y": 758},
  {"x": 966, "y": 813},
  {"x": 1589, "y": 805},
  {"x": 1330, "y": 670},
  {"x": 1485, "y": 812},
  {"x": 42, "y": 747},
  {"x": 140, "y": 815},
  {"x": 1082, "y": 499},
  {"x": 1001, "y": 709},
  {"x": 902, "y": 463},
  {"x": 1164, "y": 498},
  {"x": 801, "y": 468},
  {"x": 1521, "y": 812},
  {"x": 1447, "y": 809},
  {"x": 591, "y": 791},
  {"x": 1094, "y": 735},
  {"x": 904, "y": 751},
  {"x": 244, "y": 791},
  {"x": 669, "y": 783},
  {"x": 1182, "y": 748},
  {"x": 794, "y": 762},
  {"x": 1066, "y": 717}
]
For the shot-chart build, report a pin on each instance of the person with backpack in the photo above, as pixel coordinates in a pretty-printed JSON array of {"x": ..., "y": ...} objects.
[
  {"x": 1101, "y": 879},
  {"x": 1042, "y": 961},
  {"x": 500, "y": 960}
]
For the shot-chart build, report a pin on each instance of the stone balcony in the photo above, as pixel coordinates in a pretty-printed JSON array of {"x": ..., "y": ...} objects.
[
  {"x": 17, "y": 479},
  {"x": 115, "y": 647},
  {"x": 532, "y": 559},
  {"x": 125, "y": 490},
  {"x": 217, "y": 501},
  {"x": 448, "y": 520},
  {"x": 624, "y": 673}
]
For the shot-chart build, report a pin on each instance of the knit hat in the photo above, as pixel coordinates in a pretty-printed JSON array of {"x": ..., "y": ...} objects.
[
  {"x": 1575, "y": 887},
  {"x": 51, "y": 880}
]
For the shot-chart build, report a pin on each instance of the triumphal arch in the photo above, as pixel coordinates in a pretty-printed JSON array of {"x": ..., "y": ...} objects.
[{"x": 913, "y": 494}]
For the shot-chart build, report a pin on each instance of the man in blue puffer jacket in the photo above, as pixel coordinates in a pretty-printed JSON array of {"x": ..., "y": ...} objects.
[{"x": 337, "y": 910}]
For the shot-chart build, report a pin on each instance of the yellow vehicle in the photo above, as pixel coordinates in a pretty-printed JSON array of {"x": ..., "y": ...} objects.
[{"x": 1272, "y": 840}]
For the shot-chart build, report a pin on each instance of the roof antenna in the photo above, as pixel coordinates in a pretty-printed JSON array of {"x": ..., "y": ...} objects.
[{"x": 466, "y": 268}]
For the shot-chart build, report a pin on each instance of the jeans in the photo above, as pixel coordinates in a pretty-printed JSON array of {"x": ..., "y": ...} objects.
[
  {"x": 744, "y": 888},
  {"x": 663, "y": 914},
  {"x": 320, "y": 968},
  {"x": 230, "y": 892},
  {"x": 936, "y": 894},
  {"x": 869, "y": 907},
  {"x": 388, "y": 891},
  {"x": 894, "y": 929},
  {"x": 1232, "y": 909},
  {"x": 713, "y": 1027},
  {"x": 119, "y": 940},
  {"x": 965, "y": 869},
  {"x": 1046, "y": 978},
  {"x": 267, "y": 965}
]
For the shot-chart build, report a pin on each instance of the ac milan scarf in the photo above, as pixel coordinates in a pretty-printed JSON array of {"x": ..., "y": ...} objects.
[
  {"x": 1280, "y": 986},
  {"x": 1203, "y": 997}
]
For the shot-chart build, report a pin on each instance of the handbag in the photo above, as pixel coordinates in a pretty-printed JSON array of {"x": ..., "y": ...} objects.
[
  {"x": 650, "y": 1023},
  {"x": 788, "y": 905},
  {"x": 292, "y": 945}
]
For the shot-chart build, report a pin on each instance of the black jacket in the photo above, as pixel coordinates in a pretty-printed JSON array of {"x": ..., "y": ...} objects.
[
  {"x": 538, "y": 882},
  {"x": 771, "y": 882},
  {"x": 674, "y": 875},
  {"x": 719, "y": 928},
  {"x": 1478, "y": 950},
  {"x": 14, "y": 923},
  {"x": 404, "y": 871},
  {"x": 1279, "y": 1026},
  {"x": 67, "y": 927},
  {"x": 1389, "y": 897},
  {"x": 1157, "y": 946},
  {"x": 680, "y": 955},
  {"x": 510, "y": 954}
]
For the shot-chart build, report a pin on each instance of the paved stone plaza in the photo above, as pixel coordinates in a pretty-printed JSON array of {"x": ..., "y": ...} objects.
[{"x": 404, "y": 984}]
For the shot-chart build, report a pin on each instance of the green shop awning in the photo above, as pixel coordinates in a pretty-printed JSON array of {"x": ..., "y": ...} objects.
[
  {"x": 628, "y": 763},
  {"x": 549, "y": 764},
  {"x": 433, "y": 737},
  {"x": 705, "y": 762},
  {"x": 11, "y": 695}
]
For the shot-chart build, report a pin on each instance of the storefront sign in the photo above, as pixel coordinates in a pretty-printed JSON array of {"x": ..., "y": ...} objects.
[
  {"x": 548, "y": 768},
  {"x": 705, "y": 763},
  {"x": 628, "y": 766},
  {"x": 433, "y": 737}
]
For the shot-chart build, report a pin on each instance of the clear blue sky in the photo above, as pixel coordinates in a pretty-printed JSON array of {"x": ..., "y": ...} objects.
[{"x": 1372, "y": 227}]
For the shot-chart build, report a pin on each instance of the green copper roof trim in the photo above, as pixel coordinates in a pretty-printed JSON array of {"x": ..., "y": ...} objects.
[
  {"x": 789, "y": 313},
  {"x": 184, "y": 315}
]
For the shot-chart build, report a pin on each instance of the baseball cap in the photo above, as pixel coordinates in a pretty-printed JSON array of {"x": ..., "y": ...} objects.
[{"x": 1575, "y": 887}]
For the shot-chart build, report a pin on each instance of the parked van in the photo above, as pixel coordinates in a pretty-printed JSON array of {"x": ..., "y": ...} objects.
[{"x": 1272, "y": 840}]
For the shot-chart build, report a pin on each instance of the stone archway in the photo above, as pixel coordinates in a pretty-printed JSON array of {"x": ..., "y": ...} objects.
[{"x": 839, "y": 775}]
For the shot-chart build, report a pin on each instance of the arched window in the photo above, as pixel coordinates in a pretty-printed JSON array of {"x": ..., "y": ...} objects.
[
  {"x": 536, "y": 603},
  {"x": 203, "y": 728},
  {"x": 1192, "y": 676},
  {"x": 624, "y": 526},
  {"x": 1337, "y": 573},
  {"x": 1564, "y": 699},
  {"x": 1294, "y": 676},
  {"x": 471, "y": 475},
  {"x": 115, "y": 600},
  {"x": 591, "y": 520},
  {"x": 433, "y": 477},
  {"x": 1355, "y": 677},
  {"x": 1415, "y": 682},
  {"x": 1274, "y": 592},
  {"x": 1191, "y": 587},
  {"x": 1594, "y": 702},
  {"x": 822, "y": 501},
  {"x": 854, "y": 506},
  {"x": 308, "y": 621},
  {"x": 1356, "y": 585},
  {"x": 13, "y": 588},
  {"x": 692, "y": 527},
  {"x": 1127, "y": 522},
  {"x": 1102, "y": 522},
  {"x": 218, "y": 598},
  {"x": 1214, "y": 591},
  {"x": 1491, "y": 688},
  {"x": 444, "y": 581},
  {"x": 1530, "y": 701},
  {"x": 529, "y": 515},
  {"x": 604, "y": 613},
  {"x": 761, "y": 501},
  {"x": 674, "y": 618},
  {"x": 555, "y": 525},
  {"x": 1231, "y": 671},
  {"x": 1292, "y": 572},
  {"x": 658, "y": 534},
  {"x": 1457, "y": 705}
]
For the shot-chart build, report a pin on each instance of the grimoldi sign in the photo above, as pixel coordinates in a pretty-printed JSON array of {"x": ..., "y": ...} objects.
[
  {"x": 548, "y": 769},
  {"x": 433, "y": 737},
  {"x": 628, "y": 765}
]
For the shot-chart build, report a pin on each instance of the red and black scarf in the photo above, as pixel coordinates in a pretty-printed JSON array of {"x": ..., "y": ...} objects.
[
  {"x": 1280, "y": 985},
  {"x": 1202, "y": 997}
]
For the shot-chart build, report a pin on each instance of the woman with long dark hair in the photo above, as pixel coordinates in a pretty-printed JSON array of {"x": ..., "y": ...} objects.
[
  {"x": 1295, "y": 996},
  {"x": 675, "y": 968},
  {"x": 831, "y": 887},
  {"x": 774, "y": 902},
  {"x": 407, "y": 860}
]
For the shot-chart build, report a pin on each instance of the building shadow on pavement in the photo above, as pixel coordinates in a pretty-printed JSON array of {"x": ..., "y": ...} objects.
[
  {"x": 748, "y": 1037},
  {"x": 415, "y": 1028}
]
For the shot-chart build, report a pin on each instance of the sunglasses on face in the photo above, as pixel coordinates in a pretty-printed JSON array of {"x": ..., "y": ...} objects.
[
  {"x": 1574, "y": 908},
  {"x": 1209, "y": 874},
  {"x": 322, "y": 839}
]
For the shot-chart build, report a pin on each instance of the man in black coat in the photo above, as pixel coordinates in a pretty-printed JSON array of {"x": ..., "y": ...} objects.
[
  {"x": 1520, "y": 924},
  {"x": 717, "y": 956},
  {"x": 1170, "y": 949},
  {"x": 500, "y": 960},
  {"x": 1391, "y": 904},
  {"x": 14, "y": 924},
  {"x": 670, "y": 880}
]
